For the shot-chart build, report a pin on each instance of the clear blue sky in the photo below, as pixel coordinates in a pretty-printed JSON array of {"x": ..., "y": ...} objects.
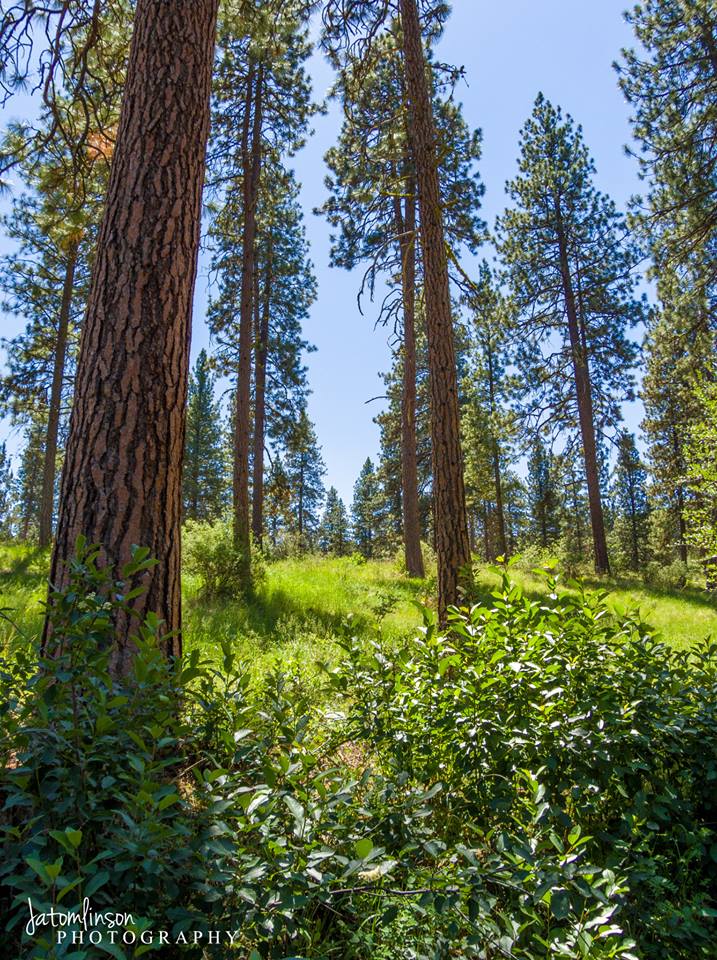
[{"x": 510, "y": 51}]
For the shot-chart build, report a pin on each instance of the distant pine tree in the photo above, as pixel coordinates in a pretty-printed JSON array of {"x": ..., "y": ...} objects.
[
  {"x": 543, "y": 496},
  {"x": 366, "y": 511},
  {"x": 205, "y": 480},
  {"x": 629, "y": 495},
  {"x": 571, "y": 267},
  {"x": 305, "y": 470},
  {"x": 29, "y": 480},
  {"x": 334, "y": 534},
  {"x": 7, "y": 497}
]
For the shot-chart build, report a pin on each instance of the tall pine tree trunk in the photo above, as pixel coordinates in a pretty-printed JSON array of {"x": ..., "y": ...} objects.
[
  {"x": 406, "y": 229},
  {"x": 586, "y": 418},
  {"x": 451, "y": 527},
  {"x": 122, "y": 477},
  {"x": 47, "y": 501},
  {"x": 242, "y": 423},
  {"x": 262, "y": 345}
]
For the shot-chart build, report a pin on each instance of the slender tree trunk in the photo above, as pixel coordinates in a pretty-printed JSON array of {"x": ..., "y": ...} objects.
[
  {"x": 633, "y": 527},
  {"x": 301, "y": 510},
  {"x": 122, "y": 479},
  {"x": 452, "y": 543},
  {"x": 406, "y": 230},
  {"x": 197, "y": 455},
  {"x": 583, "y": 390},
  {"x": 578, "y": 517},
  {"x": 680, "y": 498},
  {"x": 47, "y": 502},
  {"x": 242, "y": 423},
  {"x": 262, "y": 345},
  {"x": 499, "y": 506},
  {"x": 489, "y": 555}
]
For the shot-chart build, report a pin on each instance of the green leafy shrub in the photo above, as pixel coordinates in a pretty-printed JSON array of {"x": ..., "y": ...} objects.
[
  {"x": 610, "y": 732},
  {"x": 210, "y": 555},
  {"x": 176, "y": 797}
]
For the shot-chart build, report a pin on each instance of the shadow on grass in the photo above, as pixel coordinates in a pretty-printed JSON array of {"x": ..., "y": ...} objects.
[
  {"x": 273, "y": 617},
  {"x": 692, "y": 595},
  {"x": 25, "y": 570}
]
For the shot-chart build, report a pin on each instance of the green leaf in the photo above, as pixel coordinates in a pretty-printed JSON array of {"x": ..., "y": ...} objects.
[
  {"x": 363, "y": 848},
  {"x": 560, "y": 904},
  {"x": 99, "y": 880},
  {"x": 74, "y": 836}
]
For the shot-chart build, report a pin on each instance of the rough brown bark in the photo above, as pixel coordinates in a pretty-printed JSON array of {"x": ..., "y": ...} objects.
[
  {"x": 262, "y": 345},
  {"x": 242, "y": 423},
  {"x": 451, "y": 528},
  {"x": 583, "y": 390},
  {"x": 405, "y": 222},
  {"x": 47, "y": 501},
  {"x": 121, "y": 482}
]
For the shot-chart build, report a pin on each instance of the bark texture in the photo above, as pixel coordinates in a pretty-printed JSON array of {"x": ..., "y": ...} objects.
[
  {"x": 451, "y": 527},
  {"x": 251, "y": 149},
  {"x": 47, "y": 501},
  {"x": 122, "y": 477},
  {"x": 406, "y": 230}
]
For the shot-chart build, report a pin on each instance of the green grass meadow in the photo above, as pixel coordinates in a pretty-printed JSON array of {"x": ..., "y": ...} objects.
[{"x": 302, "y": 605}]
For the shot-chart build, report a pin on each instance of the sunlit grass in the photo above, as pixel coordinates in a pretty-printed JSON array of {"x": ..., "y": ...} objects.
[
  {"x": 300, "y": 609},
  {"x": 302, "y": 606},
  {"x": 682, "y": 615}
]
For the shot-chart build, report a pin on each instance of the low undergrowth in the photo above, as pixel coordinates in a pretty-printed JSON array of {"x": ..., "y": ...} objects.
[{"x": 536, "y": 782}]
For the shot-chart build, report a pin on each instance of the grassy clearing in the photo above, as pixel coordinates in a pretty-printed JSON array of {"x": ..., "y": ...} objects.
[{"x": 303, "y": 605}]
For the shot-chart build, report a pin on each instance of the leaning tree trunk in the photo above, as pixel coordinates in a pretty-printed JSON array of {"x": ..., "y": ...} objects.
[
  {"x": 262, "y": 349},
  {"x": 47, "y": 501},
  {"x": 451, "y": 527},
  {"x": 586, "y": 419},
  {"x": 242, "y": 423},
  {"x": 122, "y": 477},
  {"x": 406, "y": 229}
]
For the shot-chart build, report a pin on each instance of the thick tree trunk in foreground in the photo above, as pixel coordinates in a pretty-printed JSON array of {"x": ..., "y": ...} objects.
[
  {"x": 583, "y": 390},
  {"x": 47, "y": 501},
  {"x": 262, "y": 346},
  {"x": 406, "y": 228},
  {"x": 452, "y": 543},
  {"x": 242, "y": 424},
  {"x": 122, "y": 477}
]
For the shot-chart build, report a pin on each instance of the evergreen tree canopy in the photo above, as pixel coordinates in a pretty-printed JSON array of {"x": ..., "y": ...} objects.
[
  {"x": 564, "y": 240},
  {"x": 671, "y": 83}
]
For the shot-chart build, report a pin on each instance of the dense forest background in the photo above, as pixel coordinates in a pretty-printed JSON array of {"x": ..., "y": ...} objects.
[
  {"x": 465, "y": 708},
  {"x": 541, "y": 474}
]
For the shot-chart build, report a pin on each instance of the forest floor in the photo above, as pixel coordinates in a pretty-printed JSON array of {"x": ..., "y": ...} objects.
[{"x": 303, "y": 605}]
